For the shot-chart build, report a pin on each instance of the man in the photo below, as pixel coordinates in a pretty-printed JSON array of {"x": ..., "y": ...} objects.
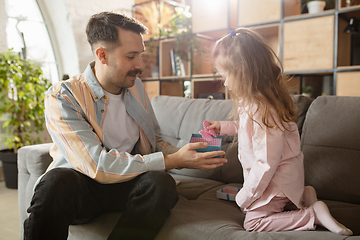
[{"x": 108, "y": 155}]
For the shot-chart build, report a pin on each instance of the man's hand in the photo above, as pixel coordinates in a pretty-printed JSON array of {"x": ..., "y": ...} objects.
[{"x": 188, "y": 157}]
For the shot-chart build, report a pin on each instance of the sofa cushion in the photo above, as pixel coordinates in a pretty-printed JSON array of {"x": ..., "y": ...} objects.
[
  {"x": 209, "y": 218},
  {"x": 232, "y": 171},
  {"x": 330, "y": 143},
  {"x": 302, "y": 104},
  {"x": 191, "y": 188},
  {"x": 99, "y": 228},
  {"x": 173, "y": 108},
  {"x": 186, "y": 117},
  {"x": 347, "y": 214}
]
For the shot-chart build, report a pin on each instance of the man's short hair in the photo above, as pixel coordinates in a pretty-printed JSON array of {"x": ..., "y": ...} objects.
[{"x": 103, "y": 27}]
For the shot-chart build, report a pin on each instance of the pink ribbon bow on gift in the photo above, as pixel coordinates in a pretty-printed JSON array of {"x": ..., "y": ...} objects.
[{"x": 207, "y": 134}]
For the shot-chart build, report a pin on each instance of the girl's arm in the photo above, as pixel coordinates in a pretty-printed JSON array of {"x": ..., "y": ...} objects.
[
  {"x": 267, "y": 151},
  {"x": 229, "y": 128}
]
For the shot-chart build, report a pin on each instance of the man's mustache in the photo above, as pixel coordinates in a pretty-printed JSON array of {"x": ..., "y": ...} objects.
[{"x": 134, "y": 72}]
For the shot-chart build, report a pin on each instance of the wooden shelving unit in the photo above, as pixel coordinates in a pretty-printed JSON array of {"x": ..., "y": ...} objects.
[{"x": 313, "y": 48}]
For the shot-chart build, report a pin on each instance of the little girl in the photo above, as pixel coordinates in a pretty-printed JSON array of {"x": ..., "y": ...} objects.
[{"x": 268, "y": 139}]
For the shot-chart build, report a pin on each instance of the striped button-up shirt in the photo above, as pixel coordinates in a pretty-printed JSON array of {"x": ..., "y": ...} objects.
[{"x": 75, "y": 111}]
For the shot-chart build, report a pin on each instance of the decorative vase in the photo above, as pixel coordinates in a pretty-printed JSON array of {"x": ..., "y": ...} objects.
[
  {"x": 9, "y": 162},
  {"x": 316, "y": 6}
]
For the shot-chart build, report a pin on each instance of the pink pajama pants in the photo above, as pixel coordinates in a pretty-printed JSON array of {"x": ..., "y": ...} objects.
[{"x": 272, "y": 217}]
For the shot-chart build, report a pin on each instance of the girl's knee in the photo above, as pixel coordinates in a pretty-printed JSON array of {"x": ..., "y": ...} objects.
[
  {"x": 250, "y": 226},
  {"x": 309, "y": 189},
  {"x": 309, "y": 196}
]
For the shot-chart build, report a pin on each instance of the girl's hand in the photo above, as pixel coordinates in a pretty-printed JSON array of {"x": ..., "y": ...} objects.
[{"x": 214, "y": 125}]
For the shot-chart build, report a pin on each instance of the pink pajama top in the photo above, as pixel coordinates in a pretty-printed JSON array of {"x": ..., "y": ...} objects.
[{"x": 271, "y": 159}]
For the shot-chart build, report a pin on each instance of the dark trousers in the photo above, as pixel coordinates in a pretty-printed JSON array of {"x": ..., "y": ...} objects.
[{"x": 65, "y": 196}]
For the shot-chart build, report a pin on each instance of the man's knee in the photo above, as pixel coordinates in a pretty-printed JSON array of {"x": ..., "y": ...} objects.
[
  {"x": 162, "y": 183},
  {"x": 60, "y": 180},
  {"x": 160, "y": 177}
]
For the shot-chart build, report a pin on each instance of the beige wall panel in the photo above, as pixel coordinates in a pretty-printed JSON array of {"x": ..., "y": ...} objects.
[
  {"x": 309, "y": 44},
  {"x": 209, "y": 15},
  {"x": 251, "y": 12},
  {"x": 348, "y": 84}
]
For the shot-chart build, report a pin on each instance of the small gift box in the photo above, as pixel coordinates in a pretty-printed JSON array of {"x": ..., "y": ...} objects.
[
  {"x": 227, "y": 193},
  {"x": 213, "y": 145}
]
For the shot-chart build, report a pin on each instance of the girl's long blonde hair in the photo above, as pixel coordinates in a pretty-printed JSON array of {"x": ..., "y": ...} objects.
[{"x": 257, "y": 76}]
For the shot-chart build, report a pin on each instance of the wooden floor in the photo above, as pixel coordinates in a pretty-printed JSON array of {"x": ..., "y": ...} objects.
[{"x": 9, "y": 214}]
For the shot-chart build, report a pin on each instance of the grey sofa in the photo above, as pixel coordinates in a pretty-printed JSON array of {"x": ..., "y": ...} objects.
[{"x": 330, "y": 142}]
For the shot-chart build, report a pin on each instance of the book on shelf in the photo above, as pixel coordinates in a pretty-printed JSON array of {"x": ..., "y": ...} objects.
[
  {"x": 172, "y": 62},
  {"x": 178, "y": 68}
]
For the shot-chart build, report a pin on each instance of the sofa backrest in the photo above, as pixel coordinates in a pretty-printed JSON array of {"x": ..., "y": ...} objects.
[
  {"x": 331, "y": 145},
  {"x": 180, "y": 117}
]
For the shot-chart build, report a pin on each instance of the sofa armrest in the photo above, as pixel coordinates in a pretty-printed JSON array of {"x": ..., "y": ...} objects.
[{"x": 32, "y": 163}]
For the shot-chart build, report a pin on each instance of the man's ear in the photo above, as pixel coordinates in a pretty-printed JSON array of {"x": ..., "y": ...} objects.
[{"x": 102, "y": 54}]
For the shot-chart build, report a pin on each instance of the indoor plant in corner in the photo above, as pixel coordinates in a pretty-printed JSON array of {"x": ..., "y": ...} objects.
[{"x": 22, "y": 92}]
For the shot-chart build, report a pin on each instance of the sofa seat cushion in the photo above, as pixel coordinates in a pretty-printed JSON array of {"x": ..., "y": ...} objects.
[
  {"x": 191, "y": 187},
  {"x": 212, "y": 219},
  {"x": 209, "y": 218},
  {"x": 347, "y": 214},
  {"x": 99, "y": 228}
]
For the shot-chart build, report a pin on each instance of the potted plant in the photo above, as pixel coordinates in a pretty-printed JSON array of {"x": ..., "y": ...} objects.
[
  {"x": 307, "y": 91},
  {"x": 315, "y": 6},
  {"x": 22, "y": 92}
]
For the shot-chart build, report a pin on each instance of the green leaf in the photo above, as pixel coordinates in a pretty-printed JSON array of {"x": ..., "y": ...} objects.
[{"x": 22, "y": 91}]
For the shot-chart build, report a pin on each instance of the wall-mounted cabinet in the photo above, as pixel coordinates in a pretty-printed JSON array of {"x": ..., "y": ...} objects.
[
  {"x": 348, "y": 83},
  {"x": 348, "y": 4},
  {"x": 318, "y": 49},
  {"x": 271, "y": 34},
  {"x": 213, "y": 17},
  {"x": 309, "y": 44},
  {"x": 261, "y": 11},
  {"x": 349, "y": 39}
]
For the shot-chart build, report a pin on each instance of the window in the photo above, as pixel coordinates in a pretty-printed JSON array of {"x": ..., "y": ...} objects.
[{"x": 27, "y": 34}]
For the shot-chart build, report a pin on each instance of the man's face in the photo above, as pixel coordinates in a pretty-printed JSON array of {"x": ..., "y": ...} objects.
[{"x": 125, "y": 62}]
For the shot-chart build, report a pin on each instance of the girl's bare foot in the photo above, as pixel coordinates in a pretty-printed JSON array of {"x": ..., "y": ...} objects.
[{"x": 323, "y": 217}]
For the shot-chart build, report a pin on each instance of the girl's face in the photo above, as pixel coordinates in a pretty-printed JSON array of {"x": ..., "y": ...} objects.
[{"x": 219, "y": 64}]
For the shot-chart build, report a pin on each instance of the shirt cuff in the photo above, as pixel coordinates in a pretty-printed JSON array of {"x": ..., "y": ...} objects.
[
  {"x": 228, "y": 128},
  {"x": 155, "y": 161}
]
